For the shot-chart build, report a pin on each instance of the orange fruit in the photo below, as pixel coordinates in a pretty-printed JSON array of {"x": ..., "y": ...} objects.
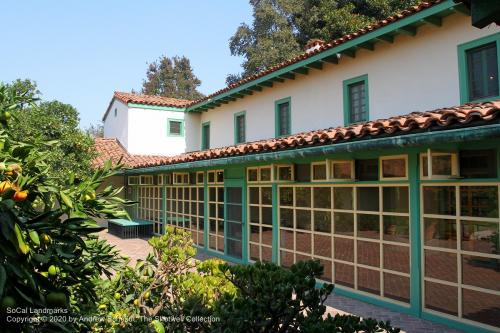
[
  {"x": 20, "y": 195},
  {"x": 4, "y": 186}
]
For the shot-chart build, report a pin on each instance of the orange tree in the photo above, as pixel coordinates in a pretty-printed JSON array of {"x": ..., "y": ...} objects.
[{"x": 49, "y": 254}]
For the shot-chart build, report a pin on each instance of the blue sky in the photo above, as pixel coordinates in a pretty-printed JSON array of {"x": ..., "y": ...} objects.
[{"x": 79, "y": 52}]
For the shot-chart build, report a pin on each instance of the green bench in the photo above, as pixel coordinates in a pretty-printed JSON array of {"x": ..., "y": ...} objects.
[{"x": 130, "y": 229}]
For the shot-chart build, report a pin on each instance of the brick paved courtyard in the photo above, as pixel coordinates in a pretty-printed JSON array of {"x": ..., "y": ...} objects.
[{"x": 138, "y": 248}]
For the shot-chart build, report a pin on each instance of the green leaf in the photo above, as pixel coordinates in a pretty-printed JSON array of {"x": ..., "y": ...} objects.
[
  {"x": 34, "y": 237},
  {"x": 67, "y": 201}
]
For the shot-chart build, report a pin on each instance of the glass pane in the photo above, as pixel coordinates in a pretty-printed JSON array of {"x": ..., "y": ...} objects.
[
  {"x": 252, "y": 175},
  {"x": 482, "y": 70},
  {"x": 220, "y": 195},
  {"x": 267, "y": 215},
  {"x": 481, "y": 307},
  {"x": 342, "y": 170},
  {"x": 343, "y": 198},
  {"x": 303, "y": 219},
  {"x": 267, "y": 236},
  {"x": 234, "y": 213},
  {"x": 267, "y": 254},
  {"x": 369, "y": 253},
  {"x": 478, "y": 163},
  {"x": 344, "y": 223},
  {"x": 480, "y": 237},
  {"x": 394, "y": 168},
  {"x": 396, "y": 229},
  {"x": 481, "y": 272},
  {"x": 286, "y": 218},
  {"x": 286, "y": 239},
  {"x": 369, "y": 280},
  {"x": 479, "y": 201},
  {"x": 265, "y": 174},
  {"x": 286, "y": 196},
  {"x": 322, "y": 221},
  {"x": 357, "y": 102},
  {"x": 367, "y": 169},
  {"x": 441, "y": 265},
  {"x": 285, "y": 173},
  {"x": 368, "y": 198},
  {"x": 397, "y": 258},
  {"x": 303, "y": 196},
  {"x": 323, "y": 245},
  {"x": 286, "y": 259},
  {"x": 254, "y": 234},
  {"x": 254, "y": 214},
  {"x": 395, "y": 199},
  {"x": 319, "y": 171},
  {"x": 254, "y": 195},
  {"x": 344, "y": 275},
  {"x": 254, "y": 252},
  {"x": 343, "y": 249},
  {"x": 322, "y": 197},
  {"x": 234, "y": 248},
  {"x": 303, "y": 242},
  {"x": 266, "y": 195},
  {"x": 327, "y": 270},
  {"x": 440, "y": 233},
  {"x": 284, "y": 118},
  {"x": 442, "y": 298},
  {"x": 233, "y": 230},
  {"x": 368, "y": 226},
  {"x": 397, "y": 287},
  {"x": 439, "y": 200}
]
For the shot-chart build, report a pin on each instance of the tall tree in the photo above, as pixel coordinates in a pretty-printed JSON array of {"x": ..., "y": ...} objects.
[
  {"x": 281, "y": 28},
  {"x": 171, "y": 77},
  {"x": 53, "y": 120},
  {"x": 95, "y": 130}
]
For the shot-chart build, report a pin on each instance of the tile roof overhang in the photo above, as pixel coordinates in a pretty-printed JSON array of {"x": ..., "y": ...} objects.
[
  {"x": 384, "y": 31},
  {"x": 396, "y": 131},
  {"x": 130, "y": 99}
]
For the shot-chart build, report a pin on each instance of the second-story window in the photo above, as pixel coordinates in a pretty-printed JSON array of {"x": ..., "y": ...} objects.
[
  {"x": 175, "y": 127},
  {"x": 283, "y": 117},
  {"x": 479, "y": 68},
  {"x": 205, "y": 135},
  {"x": 239, "y": 127},
  {"x": 356, "y": 100}
]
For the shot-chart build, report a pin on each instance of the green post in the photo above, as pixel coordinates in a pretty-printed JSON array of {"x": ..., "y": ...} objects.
[{"x": 415, "y": 236}]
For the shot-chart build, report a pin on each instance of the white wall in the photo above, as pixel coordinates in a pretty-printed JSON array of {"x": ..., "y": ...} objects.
[
  {"x": 117, "y": 127},
  {"x": 147, "y": 132},
  {"x": 414, "y": 74},
  {"x": 193, "y": 131}
]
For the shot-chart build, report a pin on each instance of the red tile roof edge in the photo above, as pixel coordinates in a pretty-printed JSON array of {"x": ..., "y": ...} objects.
[
  {"x": 325, "y": 46},
  {"x": 443, "y": 117}
]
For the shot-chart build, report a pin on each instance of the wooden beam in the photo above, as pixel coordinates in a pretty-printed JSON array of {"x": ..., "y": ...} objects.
[
  {"x": 349, "y": 52},
  {"x": 434, "y": 20},
  {"x": 266, "y": 84},
  {"x": 386, "y": 38},
  {"x": 368, "y": 46},
  {"x": 278, "y": 79},
  {"x": 238, "y": 95},
  {"x": 246, "y": 92},
  {"x": 315, "y": 65},
  {"x": 333, "y": 59},
  {"x": 255, "y": 88},
  {"x": 301, "y": 70},
  {"x": 289, "y": 76},
  {"x": 410, "y": 31}
]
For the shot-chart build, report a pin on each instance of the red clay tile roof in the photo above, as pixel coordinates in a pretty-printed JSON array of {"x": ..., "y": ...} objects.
[
  {"x": 112, "y": 149},
  {"x": 445, "y": 117},
  {"x": 150, "y": 99},
  {"x": 325, "y": 46}
]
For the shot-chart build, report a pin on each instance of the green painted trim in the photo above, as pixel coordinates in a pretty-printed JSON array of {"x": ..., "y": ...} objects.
[
  {"x": 275, "y": 243},
  {"x": 346, "y": 100},
  {"x": 156, "y": 107},
  {"x": 455, "y": 136},
  {"x": 204, "y": 144},
  {"x": 182, "y": 127},
  {"x": 236, "y": 127},
  {"x": 462, "y": 65},
  {"x": 277, "y": 124},
  {"x": 444, "y": 8},
  {"x": 469, "y": 328},
  {"x": 415, "y": 247}
]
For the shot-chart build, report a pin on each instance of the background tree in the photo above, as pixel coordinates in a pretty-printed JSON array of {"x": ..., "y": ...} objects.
[
  {"x": 95, "y": 130},
  {"x": 54, "y": 120},
  {"x": 281, "y": 28},
  {"x": 171, "y": 77}
]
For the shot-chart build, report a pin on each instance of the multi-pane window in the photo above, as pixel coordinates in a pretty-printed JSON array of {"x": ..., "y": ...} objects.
[
  {"x": 359, "y": 233},
  {"x": 186, "y": 209},
  {"x": 216, "y": 217},
  {"x": 239, "y": 128},
  {"x": 356, "y": 100},
  {"x": 175, "y": 127},
  {"x": 461, "y": 250},
  {"x": 149, "y": 206},
  {"x": 260, "y": 221},
  {"x": 482, "y": 71},
  {"x": 283, "y": 117},
  {"x": 205, "y": 136}
]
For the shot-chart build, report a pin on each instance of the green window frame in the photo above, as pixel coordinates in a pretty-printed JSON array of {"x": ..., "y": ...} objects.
[
  {"x": 240, "y": 129},
  {"x": 181, "y": 129},
  {"x": 205, "y": 135},
  {"x": 358, "y": 82},
  {"x": 464, "y": 70},
  {"x": 116, "y": 112},
  {"x": 282, "y": 117}
]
